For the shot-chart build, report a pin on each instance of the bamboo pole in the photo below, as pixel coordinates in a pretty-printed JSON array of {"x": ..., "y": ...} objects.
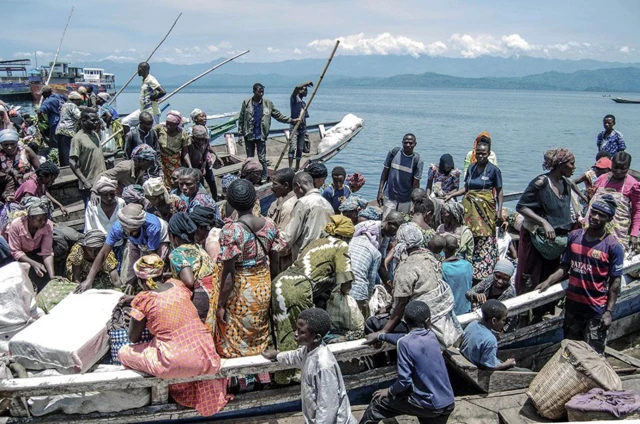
[
  {"x": 148, "y": 59},
  {"x": 104, "y": 143},
  {"x": 55, "y": 59},
  {"x": 194, "y": 79},
  {"x": 304, "y": 111}
]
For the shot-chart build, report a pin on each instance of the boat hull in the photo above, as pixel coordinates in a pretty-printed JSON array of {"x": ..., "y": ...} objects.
[{"x": 626, "y": 101}]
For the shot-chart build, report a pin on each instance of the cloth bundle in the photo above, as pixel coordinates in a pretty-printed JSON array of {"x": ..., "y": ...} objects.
[{"x": 340, "y": 132}]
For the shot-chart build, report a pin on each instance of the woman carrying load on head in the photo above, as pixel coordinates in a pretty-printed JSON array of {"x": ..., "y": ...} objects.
[
  {"x": 191, "y": 264},
  {"x": 625, "y": 189},
  {"x": 82, "y": 256},
  {"x": 471, "y": 158},
  {"x": 174, "y": 145},
  {"x": 249, "y": 260},
  {"x": 181, "y": 347},
  {"x": 161, "y": 203},
  {"x": 546, "y": 208},
  {"x": 482, "y": 203}
]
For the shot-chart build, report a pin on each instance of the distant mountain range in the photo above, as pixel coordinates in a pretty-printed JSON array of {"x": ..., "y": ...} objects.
[{"x": 523, "y": 72}]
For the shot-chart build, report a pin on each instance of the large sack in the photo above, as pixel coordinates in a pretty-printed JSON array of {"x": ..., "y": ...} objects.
[
  {"x": 340, "y": 132},
  {"x": 344, "y": 312},
  {"x": 17, "y": 302},
  {"x": 72, "y": 338},
  {"x": 88, "y": 402}
]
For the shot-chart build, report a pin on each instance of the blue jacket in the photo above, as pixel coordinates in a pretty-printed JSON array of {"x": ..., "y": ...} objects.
[{"x": 51, "y": 107}]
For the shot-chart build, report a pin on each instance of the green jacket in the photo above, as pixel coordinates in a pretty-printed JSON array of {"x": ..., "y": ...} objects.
[{"x": 245, "y": 120}]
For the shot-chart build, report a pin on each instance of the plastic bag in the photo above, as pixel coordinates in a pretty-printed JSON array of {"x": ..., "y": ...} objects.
[
  {"x": 380, "y": 301},
  {"x": 344, "y": 312}
]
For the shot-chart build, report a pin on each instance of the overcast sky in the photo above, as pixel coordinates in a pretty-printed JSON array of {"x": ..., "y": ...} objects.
[{"x": 276, "y": 30}]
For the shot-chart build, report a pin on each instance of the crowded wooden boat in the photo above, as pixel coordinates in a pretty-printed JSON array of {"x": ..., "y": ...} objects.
[{"x": 223, "y": 278}]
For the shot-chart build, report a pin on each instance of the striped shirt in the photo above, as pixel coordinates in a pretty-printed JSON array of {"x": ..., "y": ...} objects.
[
  {"x": 365, "y": 261},
  {"x": 591, "y": 263},
  {"x": 401, "y": 175}
]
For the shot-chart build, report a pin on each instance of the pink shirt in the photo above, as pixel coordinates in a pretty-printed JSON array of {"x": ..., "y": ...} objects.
[
  {"x": 21, "y": 242},
  {"x": 31, "y": 187},
  {"x": 631, "y": 190}
]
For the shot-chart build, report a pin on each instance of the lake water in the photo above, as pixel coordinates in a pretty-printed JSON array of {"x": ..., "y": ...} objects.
[{"x": 522, "y": 124}]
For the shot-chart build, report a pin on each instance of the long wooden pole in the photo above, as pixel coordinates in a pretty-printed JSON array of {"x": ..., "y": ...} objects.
[
  {"x": 104, "y": 143},
  {"x": 148, "y": 59},
  {"x": 55, "y": 59},
  {"x": 304, "y": 111},
  {"x": 194, "y": 79}
]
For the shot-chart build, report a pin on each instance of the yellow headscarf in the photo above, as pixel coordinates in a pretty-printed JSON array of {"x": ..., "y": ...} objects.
[
  {"x": 341, "y": 226},
  {"x": 148, "y": 267}
]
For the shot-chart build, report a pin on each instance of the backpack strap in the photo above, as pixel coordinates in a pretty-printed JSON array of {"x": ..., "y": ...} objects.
[{"x": 414, "y": 161}]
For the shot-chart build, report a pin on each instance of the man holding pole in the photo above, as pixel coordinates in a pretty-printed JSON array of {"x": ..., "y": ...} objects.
[
  {"x": 300, "y": 137},
  {"x": 254, "y": 123},
  {"x": 150, "y": 92}
]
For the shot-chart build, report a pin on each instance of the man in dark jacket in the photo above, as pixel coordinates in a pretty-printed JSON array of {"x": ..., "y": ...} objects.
[{"x": 50, "y": 107}]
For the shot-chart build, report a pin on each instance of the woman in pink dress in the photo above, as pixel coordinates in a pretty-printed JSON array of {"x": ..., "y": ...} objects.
[{"x": 182, "y": 346}]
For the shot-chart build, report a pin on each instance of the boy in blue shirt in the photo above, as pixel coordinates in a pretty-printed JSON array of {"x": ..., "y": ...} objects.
[
  {"x": 422, "y": 389},
  {"x": 337, "y": 192},
  {"x": 479, "y": 343}
]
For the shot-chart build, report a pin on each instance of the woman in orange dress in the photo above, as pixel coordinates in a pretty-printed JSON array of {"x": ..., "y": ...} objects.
[{"x": 182, "y": 347}]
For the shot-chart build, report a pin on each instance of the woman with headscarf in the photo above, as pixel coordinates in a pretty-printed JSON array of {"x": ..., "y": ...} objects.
[
  {"x": 181, "y": 347},
  {"x": 16, "y": 163},
  {"x": 351, "y": 207},
  {"x": 30, "y": 241},
  {"x": 355, "y": 181},
  {"x": 103, "y": 215},
  {"x": 208, "y": 230},
  {"x": 144, "y": 234},
  {"x": 471, "y": 158},
  {"x": 190, "y": 186},
  {"x": 201, "y": 158},
  {"x": 482, "y": 204},
  {"x": 370, "y": 213},
  {"x": 174, "y": 145},
  {"x": 82, "y": 256},
  {"x": 161, "y": 203},
  {"x": 443, "y": 178},
  {"x": 546, "y": 208},
  {"x": 319, "y": 269},
  {"x": 134, "y": 193},
  {"x": 249, "y": 261},
  {"x": 191, "y": 264},
  {"x": 453, "y": 223},
  {"x": 198, "y": 117}
]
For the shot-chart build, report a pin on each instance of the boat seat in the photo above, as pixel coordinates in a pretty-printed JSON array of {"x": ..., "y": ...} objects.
[{"x": 229, "y": 169}]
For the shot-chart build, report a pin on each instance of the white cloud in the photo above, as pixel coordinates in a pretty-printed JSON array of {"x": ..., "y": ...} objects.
[
  {"x": 469, "y": 46},
  {"x": 213, "y": 48},
  {"x": 117, "y": 58},
  {"x": 132, "y": 50},
  {"x": 625, "y": 49},
  {"x": 382, "y": 44},
  {"x": 297, "y": 51},
  {"x": 76, "y": 53},
  {"x": 514, "y": 41},
  {"x": 272, "y": 50}
]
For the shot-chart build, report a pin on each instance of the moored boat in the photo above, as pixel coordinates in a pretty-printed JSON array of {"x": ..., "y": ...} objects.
[{"x": 621, "y": 100}]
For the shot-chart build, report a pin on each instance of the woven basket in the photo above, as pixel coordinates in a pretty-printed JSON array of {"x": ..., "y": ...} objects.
[
  {"x": 556, "y": 384},
  {"x": 575, "y": 415}
]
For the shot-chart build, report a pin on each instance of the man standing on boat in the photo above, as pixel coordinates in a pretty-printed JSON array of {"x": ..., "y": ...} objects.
[
  {"x": 254, "y": 124},
  {"x": 150, "y": 92},
  {"x": 594, "y": 260},
  {"x": 299, "y": 142},
  {"x": 610, "y": 140},
  {"x": 401, "y": 174},
  {"x": 50, "y": 108}
]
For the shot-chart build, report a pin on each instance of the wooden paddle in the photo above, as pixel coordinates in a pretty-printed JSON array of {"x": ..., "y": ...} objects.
[{"x": 304, "y": 111}]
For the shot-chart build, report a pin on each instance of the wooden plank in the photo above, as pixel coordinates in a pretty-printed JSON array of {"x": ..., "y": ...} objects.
[
  {"x": 531, "y": 331},
  {"x": 160, "y": 394},
  {"x": 499, "y": 381},
  {"x": 622, "y": 357},
  {"x": 623, "y": 326}
]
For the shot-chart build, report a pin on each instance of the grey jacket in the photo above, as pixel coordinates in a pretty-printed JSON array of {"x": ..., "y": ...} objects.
[{"x": 245, "y": 120}]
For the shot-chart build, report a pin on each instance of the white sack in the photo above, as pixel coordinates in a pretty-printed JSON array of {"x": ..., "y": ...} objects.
[
  {"x": 17, "y": 302},
  {"x": 340, "y": 132}
]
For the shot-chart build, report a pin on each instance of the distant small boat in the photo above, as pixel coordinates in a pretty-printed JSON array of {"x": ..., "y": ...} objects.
[{"x": 620, "y": 100}]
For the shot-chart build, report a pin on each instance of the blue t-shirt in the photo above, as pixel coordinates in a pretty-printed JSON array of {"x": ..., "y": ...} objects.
[
  {"x": 401, "y": 175},
  {"x": 335, "y": 197},
  {"x": 488, "y": 180},
  {"x": 480, "y": 346},
  {"x": 459, "y": 275},
  {"x": 150, "y": 234}
]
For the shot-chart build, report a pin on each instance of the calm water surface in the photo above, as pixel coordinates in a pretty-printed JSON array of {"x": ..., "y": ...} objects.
[{"x": 522, "y": 124}]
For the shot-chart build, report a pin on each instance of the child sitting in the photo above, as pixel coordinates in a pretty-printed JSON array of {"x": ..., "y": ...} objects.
[
  {"x": 422, "y": 389},
  {"x": 324, "y": 396},
  {"x": 479, "y": 344}
]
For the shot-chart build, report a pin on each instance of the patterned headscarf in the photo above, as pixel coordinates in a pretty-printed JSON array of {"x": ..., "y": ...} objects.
[
  {"x": 340, "y": 225},
  {"x": 227, "y": 179},
  {"x": 37, "y": 206},
  {"x": 456, "y": 209},
  {"x": 250, "y": 165},
  {"x": 371, "y": 230},
  {"x": 105, "y": 184},
  {"x": 143, "y": 152},
  {"x": 352, "y": 203},
  {"x": 195, "y": 112},
  {"x": 355, "y": 181},
  {"x": 409, "y": 236},
  {"x": 133, "y": 193},
  {"x": 181, "y": 226},
  {"x": 132, "y": 217},
  {"x": 200, "y": 131},
  {"x": 475, "y": 143},
  {"x": 174, "y": 117},
  {"x": 104, "y": 96},
  {"x": 155, "y": 187},
  {"x": 147, "y": 268},
  {"x": 93, "y": 238},
  {"x": 372, "y": 213},
  {"x": 8, "y": 134},
  {"x": 555, "y": 157}
]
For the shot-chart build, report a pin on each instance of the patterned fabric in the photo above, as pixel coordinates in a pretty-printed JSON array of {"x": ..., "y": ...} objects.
[
  {"x": 246, "y": 332},
  {"x": 194, "y": 256},
  {"x": 169, "y": 164},
  {"x": 119, "y": 337},
  {"x": 484, "y": 287},
  {"x": 53, "y": 293},
  {"x": 76, "y": 259},
  {"x": 182, "y": 347},
  {"x": 612, "y": 144},
  {"x": 485, "y": 256},
  {"x": 441, "y": 182},
  {"x": 365, "y": 261},
  {"x": 204, "y": 200},
  {"x": 171, "y": 145},
  {"x": 176, "y": 204},
  {"x": 238, "y": 243},
  {"x": 19, "y": 164},
  {"x": 480, "y": 212},
  {"x": 69, "y": 119}
]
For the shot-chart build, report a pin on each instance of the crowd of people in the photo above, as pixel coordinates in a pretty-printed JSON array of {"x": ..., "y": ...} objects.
[{"x": 323, "y": 264}]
